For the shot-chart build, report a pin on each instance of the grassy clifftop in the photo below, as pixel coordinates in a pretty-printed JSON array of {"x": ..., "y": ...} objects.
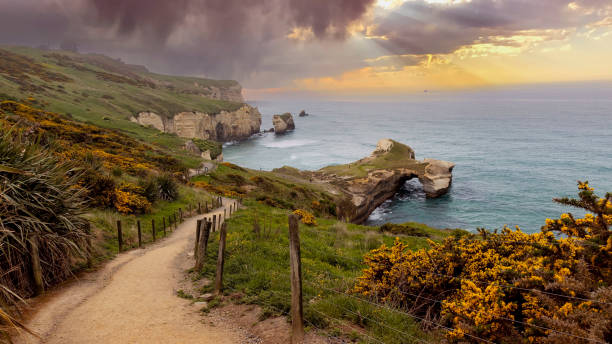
[{"x": 107, "y": 92}]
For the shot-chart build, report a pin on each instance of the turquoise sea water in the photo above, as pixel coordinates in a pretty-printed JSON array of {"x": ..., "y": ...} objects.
[{"x": 512, "y": 154}]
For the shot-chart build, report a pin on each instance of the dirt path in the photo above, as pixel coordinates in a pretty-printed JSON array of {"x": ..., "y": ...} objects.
[{"x": 131, "y": 300}]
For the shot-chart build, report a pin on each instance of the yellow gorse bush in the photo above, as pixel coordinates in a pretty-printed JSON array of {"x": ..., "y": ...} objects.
[
  {"x": 508, "y": 286},
  {"x": 128, "y": 200},
  {"x": 306, "y": 217}
]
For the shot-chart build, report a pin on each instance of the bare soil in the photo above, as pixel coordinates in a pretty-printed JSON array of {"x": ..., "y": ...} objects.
[{"x": 132, "y": 299}]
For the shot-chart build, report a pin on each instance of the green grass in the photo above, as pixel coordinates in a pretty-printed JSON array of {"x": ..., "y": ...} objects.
[
  {"x": 273, "y": 188},
  {"x": 215, "y": 148},
  {"x": 258, "y": 268},
  {"x": 109, "y": 104},
  {"x": 106, "y": 222},
  {"x": 399, "y": 157}
]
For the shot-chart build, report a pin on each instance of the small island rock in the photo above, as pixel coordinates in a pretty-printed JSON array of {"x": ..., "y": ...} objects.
[{"x": 283, "y": 123}]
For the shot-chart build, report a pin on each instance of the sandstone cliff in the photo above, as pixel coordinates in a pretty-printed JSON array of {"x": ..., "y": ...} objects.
[
  {"x": 368, "y": 182},
  {"x": 283, "y": 123},
  {"x": 224, "y": 126}
]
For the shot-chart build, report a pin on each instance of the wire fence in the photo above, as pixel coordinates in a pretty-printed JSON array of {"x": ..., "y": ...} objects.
[{"x": 372, "y": 319}]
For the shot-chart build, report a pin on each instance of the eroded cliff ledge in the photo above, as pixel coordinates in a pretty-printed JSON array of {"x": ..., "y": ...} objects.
[
  {"x": 224, "y": 126},
  {"x": 365, "y": 184}
]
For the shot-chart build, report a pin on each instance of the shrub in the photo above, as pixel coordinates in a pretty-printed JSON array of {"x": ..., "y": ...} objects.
[
  {"x": 408, "y": 228},
  {"x": 215, "y": 148},
  {"x": 150, "y": 189},
  {"x": 306, "y": 217},
  {"x": 39, "y": 200},
  {"x": 541, "y": 281},
  {"x": 117, "y": 171},
  {"x": 99, "y": 188},
  {"x": 167, "y": 186},
  {"x": 128, "y": 202}
]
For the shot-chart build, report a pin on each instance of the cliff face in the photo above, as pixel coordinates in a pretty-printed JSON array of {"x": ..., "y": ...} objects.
[
  {"x": 283, "y": 123},
  {"x": 368, "y": 182},
  {"x": 222, "y": 127}
]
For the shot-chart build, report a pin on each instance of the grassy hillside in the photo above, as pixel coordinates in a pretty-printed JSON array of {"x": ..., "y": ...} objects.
[
  {"x": 257, "y": 272},
  {"x": 104, "y": 91}
]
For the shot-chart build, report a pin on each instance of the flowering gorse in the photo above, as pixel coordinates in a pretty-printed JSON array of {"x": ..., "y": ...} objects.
[{"x": 507, "y": 286}]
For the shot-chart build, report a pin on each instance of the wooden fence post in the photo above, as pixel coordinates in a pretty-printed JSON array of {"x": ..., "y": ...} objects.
[
  {"x": 153, "y": 228},
  {"x": 224, "y": 215},
  {"x": 297, "y": 325},
  {"x": 175, "y": 224},
  {"x": 119, "y": 235},
  {"x": 139, "y": 234},
  {"x": 214, "y": 222},
  {"x": 202, "y": 246},
  {"x": 206, "y": 207},
  {"x": 220, "y": 260},
  {"x": 219, "y": 225},
  {"x": 199, "y": 207},
  {"x": 180, "y": 214},
  {"x": 164, "y": 225},
  {"x": 197, "y": 240},
  {"x": 220, "y": 201},
  {"x": 189, "y": 213},
  {"x": 36, "y": 269}
]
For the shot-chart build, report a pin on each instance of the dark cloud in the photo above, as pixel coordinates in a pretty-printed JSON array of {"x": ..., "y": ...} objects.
[
  {"x": 217, "y": 38},
  {"x": 247, "y": 39}
]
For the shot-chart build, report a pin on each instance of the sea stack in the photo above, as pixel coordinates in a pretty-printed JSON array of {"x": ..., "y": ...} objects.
[{"x": 283, "y": 123}]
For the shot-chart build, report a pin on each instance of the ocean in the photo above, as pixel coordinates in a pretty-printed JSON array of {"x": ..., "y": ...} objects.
[{"x": 513, "y": 153}]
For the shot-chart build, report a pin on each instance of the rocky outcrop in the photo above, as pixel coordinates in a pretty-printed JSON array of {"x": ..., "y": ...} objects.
[
  {"x": 303, "y": 113},
  {"x": 368, "y": 182},
  {"x": 283, "y": 123},
  {"x": 437, "y": 178},
  {"x": 193, "y": 148},
  {"x": 222, "y": 127}
]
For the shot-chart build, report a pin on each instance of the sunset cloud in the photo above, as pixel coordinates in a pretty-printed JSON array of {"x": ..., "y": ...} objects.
[{"x": 284, "y": 43}]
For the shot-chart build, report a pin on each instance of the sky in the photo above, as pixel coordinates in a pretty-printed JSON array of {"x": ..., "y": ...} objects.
[{"x": 334, "y": 46}]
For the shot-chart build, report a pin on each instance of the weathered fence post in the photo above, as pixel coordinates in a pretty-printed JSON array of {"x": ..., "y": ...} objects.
[
  {"x": 206, "y": 207},
  {"x": 119, "y": 235},
  {"x": 36, "y": 269},
  {"x": 214, "y": 222},
  {"x": 202, "y": 246},
  {"x": 224, "y": 215},
  {"x": 195, "y": 248},
  {"x": 220, "y": 201},
  {"x": 220, "y": 260},
  {"x": 297, "y": 325},
  {"x": 219, "y": 226},
  {"x": 175, "y": 224},
  {"x": 139, "y": 233},
  {"x": 180, "y": 214},
  {"x": 189, "y": 213},
  {"x": 164, "y": 225},
  {"x": 199, "y": 207},
  {"x": 153, "y": 228}
]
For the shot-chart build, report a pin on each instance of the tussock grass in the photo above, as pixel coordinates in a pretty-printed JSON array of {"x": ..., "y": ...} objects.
[{"x": 38, "y": 203}]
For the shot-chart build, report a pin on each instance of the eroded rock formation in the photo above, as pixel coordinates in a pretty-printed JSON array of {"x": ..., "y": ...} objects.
[
  {"x": 224, "y": 126},
  {"x": 368, "y": 182},
  {"x": 283, "y": 123}
]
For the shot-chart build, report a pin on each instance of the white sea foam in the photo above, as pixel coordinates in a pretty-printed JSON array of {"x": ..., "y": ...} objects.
[{"x": 288, "y": 143}]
